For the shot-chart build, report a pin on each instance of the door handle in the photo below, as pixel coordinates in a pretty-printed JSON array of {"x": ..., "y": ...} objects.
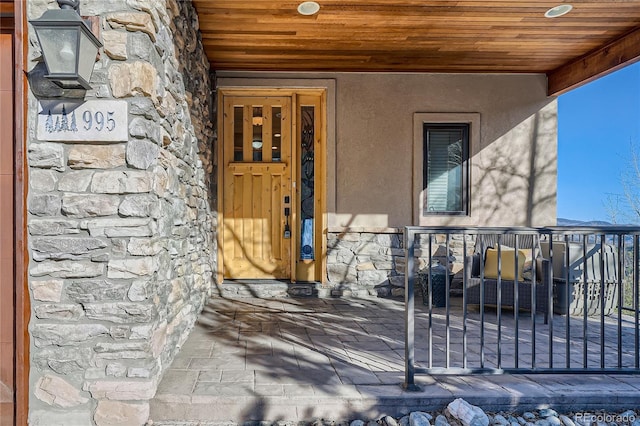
[{"x": 287, "y": 229}]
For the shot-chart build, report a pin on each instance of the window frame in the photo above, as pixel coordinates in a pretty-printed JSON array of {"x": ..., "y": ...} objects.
[
  {"x": 418, "y": 192},
  {"x": 465, "y": 129}
]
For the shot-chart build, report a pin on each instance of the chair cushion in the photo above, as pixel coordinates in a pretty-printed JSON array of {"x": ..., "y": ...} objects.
[
  {"x": 508, "y": 267},
  {"x": 529, "y": 266}
]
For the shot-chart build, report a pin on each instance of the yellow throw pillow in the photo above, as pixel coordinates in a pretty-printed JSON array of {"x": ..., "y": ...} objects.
[{"x": 507, "y": 255}]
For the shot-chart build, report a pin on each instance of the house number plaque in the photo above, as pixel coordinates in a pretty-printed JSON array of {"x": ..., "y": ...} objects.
[{"x": 95, "y": 120}]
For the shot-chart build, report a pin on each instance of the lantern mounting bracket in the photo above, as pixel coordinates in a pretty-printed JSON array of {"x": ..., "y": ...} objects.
[{"x": 69, "y": 4}]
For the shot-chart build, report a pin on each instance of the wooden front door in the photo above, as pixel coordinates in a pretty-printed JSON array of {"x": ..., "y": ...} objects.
[{"x": 257, "y": 196}]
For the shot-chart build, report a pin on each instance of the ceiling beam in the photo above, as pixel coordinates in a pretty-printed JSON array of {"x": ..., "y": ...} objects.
[{"x": 615, "y": 55}]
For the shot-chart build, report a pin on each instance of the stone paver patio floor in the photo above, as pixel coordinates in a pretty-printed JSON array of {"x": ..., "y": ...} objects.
[{"x": 302, "y": 358}]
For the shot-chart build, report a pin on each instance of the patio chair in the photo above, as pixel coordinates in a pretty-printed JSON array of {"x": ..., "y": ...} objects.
[
  {"x": 575, "y": 272},
  {"x": 512, "y": 276}
]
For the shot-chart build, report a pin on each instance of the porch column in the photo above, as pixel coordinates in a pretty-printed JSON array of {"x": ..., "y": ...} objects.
[{"x": 121, "y": 230}]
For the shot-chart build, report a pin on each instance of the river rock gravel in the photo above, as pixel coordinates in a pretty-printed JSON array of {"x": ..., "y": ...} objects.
[{"x": 460, "y": 413}]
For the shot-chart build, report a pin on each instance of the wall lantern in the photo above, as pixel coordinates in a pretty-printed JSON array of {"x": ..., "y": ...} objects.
[{"x": 68, "y": 45}]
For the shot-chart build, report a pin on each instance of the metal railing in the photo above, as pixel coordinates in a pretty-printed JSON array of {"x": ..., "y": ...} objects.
[{"x": 522, "y": 300}]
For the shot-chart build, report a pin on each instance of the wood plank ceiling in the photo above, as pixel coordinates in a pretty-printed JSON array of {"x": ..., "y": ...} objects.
[{"x": 495, "y": 36}]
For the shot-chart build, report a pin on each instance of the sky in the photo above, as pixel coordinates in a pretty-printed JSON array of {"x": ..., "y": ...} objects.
[{"x": 597, "y": 123}]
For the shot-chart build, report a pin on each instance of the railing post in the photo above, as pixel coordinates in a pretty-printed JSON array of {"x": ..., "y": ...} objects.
[
  {"x": 409, "y": 312},
  {"x": 603, "y": 300},
  {"x": 549, "y": 316},
  {"x": 567, "y": 312},
  {"x": 636, "y": 300},
  {"x": 585, "y": 304}
]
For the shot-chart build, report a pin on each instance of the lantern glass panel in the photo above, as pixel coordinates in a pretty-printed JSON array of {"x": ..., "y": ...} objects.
[
  {"x": 59, "y": 46},
  {"x": 88, "y": 53}
]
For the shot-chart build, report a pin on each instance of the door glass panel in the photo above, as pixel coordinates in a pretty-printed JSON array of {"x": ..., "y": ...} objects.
[
  {"x": 237, "y": 132},
  {"x": 276, "y": 133},
  {"x": 307, "y": 178},
  {"x": 257, "y": 140},
  {"x": 266, "y": 133}
]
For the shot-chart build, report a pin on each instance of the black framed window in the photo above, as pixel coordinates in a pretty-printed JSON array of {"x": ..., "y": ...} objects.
[{"x": 446, "y": 169}]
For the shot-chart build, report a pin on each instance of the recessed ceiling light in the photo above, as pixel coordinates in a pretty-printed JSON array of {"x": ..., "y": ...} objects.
[
  {"x": 560, "y": 10},
  {"x": 308, "y": 8}
]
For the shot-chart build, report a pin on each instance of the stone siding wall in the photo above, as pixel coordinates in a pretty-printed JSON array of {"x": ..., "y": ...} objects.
[
  {"x": 361, "y": 263},
  {"x": 121, "y": 234},
  {"x": 365, "y": 263}
]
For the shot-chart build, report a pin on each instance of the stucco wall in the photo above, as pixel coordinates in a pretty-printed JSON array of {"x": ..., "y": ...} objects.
[
  {"x": 513, "y": 175},
  {"x": 371, "y": 144},
  {"x": 121, "y": 232}
]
